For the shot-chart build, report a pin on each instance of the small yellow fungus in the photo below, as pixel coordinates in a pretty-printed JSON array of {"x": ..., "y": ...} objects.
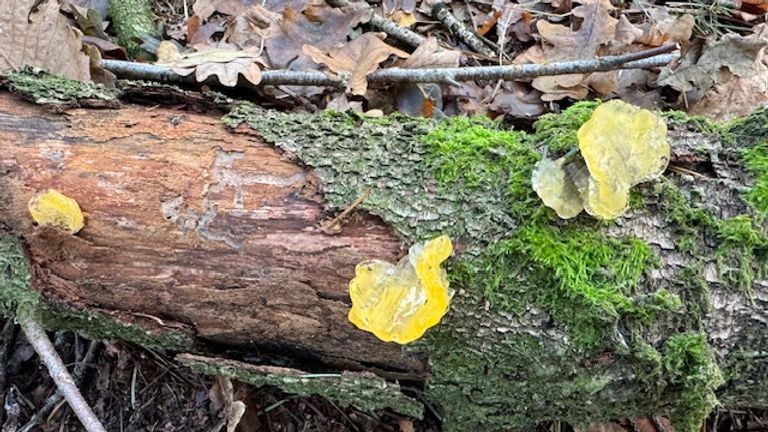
[
  {"x": 620, "y": 146},
  {"x": 53, "y": 208},
  {"x": 398, "y": 303},
  {"x": 556, "y": 189}
]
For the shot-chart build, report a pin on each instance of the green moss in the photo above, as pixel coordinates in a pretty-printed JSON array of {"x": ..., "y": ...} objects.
[
  {"x": 15, "y": 292},
  {"x": 756, "y": 162},
  {"x": 583, "y": 279},
  {"x": 366, "y": 392},
  {"x": 132, "y": 20},
  {"x": 742, "y": 245},
  {"x": 558, "y": 131},
  {"x": 693, "y": 375},
  {"x": 474, "y": 150},
  {"x": 681, "y": 121},
  {"x": 47, "y": 89}
]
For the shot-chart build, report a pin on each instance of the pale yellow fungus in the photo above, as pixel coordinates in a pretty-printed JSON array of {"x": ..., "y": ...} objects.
[
  {"x": 398, "y": 303},
  {"x": 52, "y": 208},
  {"x": 555, "y": 188},
  {"x": 620, "y": 146}
]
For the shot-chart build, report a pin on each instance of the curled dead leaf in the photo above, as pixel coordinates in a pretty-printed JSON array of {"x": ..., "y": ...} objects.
[{"x": 357, "y": 58}]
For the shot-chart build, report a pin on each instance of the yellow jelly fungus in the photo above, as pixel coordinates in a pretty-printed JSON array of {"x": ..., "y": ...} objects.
[
  {"x": 622, "y": 145},
  {"x": 556, "y": 189},
  {"x": 52, "y": 208},
  {"x": 398, "y": 303}
]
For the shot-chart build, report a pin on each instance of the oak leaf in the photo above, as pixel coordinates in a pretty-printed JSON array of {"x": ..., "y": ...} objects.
[
  {"x": 317, "y": 25},
  {"x": 225, "y": 62},
  {"x": 357, "y": 58},
  {"x": 596, "y": 31},
  {"x": 41, "y": 38}
]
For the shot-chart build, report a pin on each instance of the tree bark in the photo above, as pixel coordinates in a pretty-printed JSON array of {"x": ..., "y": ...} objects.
[
  {"x": 189, "y": 227},
  {"x": 194, "y": 230}
]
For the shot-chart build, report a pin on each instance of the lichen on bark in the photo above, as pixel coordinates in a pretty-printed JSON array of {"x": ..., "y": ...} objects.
[{"x": 534, "y": 334}]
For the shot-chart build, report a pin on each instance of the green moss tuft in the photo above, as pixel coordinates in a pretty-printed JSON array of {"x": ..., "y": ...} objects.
[
  {"x": 583, "y": 279},
  {"x": 558, "y": 131},
  {"x": 15, "y": 292},
  {"x": 693, "y": 375},
  {"x": 756, "y": 162},
  {"x": 474, "y": 150}
]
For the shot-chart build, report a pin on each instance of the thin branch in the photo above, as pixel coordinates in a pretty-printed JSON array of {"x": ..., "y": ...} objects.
[
  {"x": 39, "y": 340},
  {"x": 54, "y": 399},
  {"x": 380, "y": 23},
  {"x": 131, "y": 70},
  {"x": 441, "y": 13}
]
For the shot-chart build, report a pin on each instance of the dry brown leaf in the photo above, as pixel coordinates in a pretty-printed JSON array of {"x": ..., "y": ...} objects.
[
  {"x": 318, "y": 25},
  {"x": 430, "y": 55},
  {"x": 517, "y": 100},
  {"x": 736, "y": 96},
  {"x": 703, "y": 69},
  {"x": 357, "y": 58},
  {"x": 247, "y": 28},
  {"x": 44, "y": 40},
  {"x": 205, "y": 8},
  {"x": 225, "y": 62},
  {"x": 596, "y": 31},
  {"x": 662, "y": 27}
]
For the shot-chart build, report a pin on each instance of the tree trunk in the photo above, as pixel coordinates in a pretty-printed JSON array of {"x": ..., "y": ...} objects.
[{"x": 202, "y": 240}]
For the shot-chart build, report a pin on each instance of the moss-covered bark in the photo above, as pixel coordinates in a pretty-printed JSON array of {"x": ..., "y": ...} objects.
[{"x": 579, "y": 320}]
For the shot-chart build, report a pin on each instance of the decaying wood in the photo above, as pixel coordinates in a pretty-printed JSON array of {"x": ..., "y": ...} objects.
[{"x": 191, "y": 228}]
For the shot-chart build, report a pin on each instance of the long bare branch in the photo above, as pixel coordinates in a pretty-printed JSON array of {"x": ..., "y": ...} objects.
[{"x": 638, "y": 60}]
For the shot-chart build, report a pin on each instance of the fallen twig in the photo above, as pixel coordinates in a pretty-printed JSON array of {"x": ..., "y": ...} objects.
[
  {"x": 380, "y": 23},
  {"x": 442, "y": 13},
  {"x": 54, "y": 399},
  {"x": 331, "y": 226},
  {"x": 39, "y": 340},
  {"x": 635, "y": 60}
]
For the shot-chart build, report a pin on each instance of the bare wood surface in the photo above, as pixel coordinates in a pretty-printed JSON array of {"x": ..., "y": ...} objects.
[{"x": 189, "y": 226}]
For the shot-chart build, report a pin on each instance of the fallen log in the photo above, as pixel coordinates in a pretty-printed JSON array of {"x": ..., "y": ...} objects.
[{"x": 212, "y": 238}]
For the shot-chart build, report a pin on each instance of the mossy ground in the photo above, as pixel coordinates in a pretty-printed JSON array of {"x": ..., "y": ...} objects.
[{"x": 521, "y": 261}]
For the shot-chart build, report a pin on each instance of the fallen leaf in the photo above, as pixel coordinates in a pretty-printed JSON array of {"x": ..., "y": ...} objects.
[
  {"x": 596, "y": 31},
  {"x": 225, "y": 62},
  {"x": 247, "y": 28},
  {"x": 420, "y": 100},
  {"x": 661, "y": 27},
  {"x": 205, "y": 8},
  {"x": 705, "y": 67},
  {"x": 430, "y": 55},
  {"x": 44, "y": 40},
  {"x": 357, "y": 58},
  {"x": 518, "y": 101},
  {"x": 318, "y": 25},
  {"x": 736, "y": 96}
]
